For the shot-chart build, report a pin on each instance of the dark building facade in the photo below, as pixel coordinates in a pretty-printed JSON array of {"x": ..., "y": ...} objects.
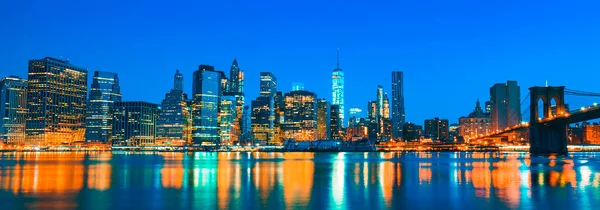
[
  {"x": 437, "y": 129},
  {"x": 56, "y": 102},
  {"x": 207, "y": 90},
  {"x": 104, "y": 92},
  {"x": 13, "y": 110},
  {"x": 263, "y": 120},
  {"x": 322, "y": 119},
  {"x": 134, "y": 123},
  {"x": 411, "y": 132},
  {"x": 174, "y": 121},
  {"x": 505, "y": 100},
  {"x": 398, "y": 114},
  {"x": 335, "y": 123}
]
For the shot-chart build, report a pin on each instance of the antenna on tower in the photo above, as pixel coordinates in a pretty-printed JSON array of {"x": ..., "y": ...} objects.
[
  {"x": 338, "y": 58},
  {"x": 546, "y": 83}
]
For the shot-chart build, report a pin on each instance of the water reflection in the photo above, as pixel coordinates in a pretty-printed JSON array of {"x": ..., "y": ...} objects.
[{"x": 298, "y": 180}]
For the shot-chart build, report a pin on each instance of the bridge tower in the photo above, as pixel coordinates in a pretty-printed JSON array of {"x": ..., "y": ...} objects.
[{"x": 545, "y": 137}]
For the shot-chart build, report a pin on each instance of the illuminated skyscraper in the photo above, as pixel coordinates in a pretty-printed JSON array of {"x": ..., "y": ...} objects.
[
  {"x": 322, "y": 119},
  {"x": 263, "y": 119},
  {"x": 206, "y": 89},
  {"x": 300, "y": 115},
  {"x": 398, "y": 115},
  {"x": 226, "y": 118},
  {"x": 268, "y": 84},
  {"x": 335, "y": 123},
  {"x": 235, "y": 87},
  {"x": 13, "y": 109},
  {"x": 173, "y": 123},
  {"x": 236, "y": 80},
  {"x": 355, "y": 114},
  {"x": 105, "y": 91},
  {"x": 386, "y": 107},
  {"x": 379, "y": 110},
  {"x": 337, "y": 88},
  {"x": 56, "y": 102},
  {"x": 134, "y": 123}
]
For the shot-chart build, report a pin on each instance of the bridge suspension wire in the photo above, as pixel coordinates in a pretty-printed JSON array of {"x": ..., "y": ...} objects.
[
  {"x": 520, "y": 105},
  {"x": 581, "y": 93}
]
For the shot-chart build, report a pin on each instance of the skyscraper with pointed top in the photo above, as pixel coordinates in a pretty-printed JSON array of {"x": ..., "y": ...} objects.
[
  {"x": 236, "y": 80},
  {"x": 235, "y": 88},
  {"x": 337, "y": 89}
]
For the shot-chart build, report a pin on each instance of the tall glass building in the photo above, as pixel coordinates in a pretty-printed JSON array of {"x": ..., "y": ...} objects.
[
  {"x": 134, "y": 123},
  {"x": 235, "y": 87},
  {"x": 263, "y": 119},
  {"x": 226, "y": 118},
  {"x": 173, "y": 123},
  {"x": 56, "y": 102},
  {"x": 13, "y": 109},
  {"x": 236, "y": 80},
  {"x": 398, "y": 115},
  {"x": 268, "y": 84},
  {"x": 355, "y": 115},
  {"x": 337, "y": 88},
  {"x": 379, "y": 111},
  {"x": 205, "y": 106},
  {"x": 322, "y": 119},
  {"x": 104, "y": 92},
  {"x": 300, "y": 115},
  {"x": 335, "y": 123}
]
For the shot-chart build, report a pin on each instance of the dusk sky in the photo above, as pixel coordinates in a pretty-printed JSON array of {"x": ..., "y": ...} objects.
[{"x": 451, "y": 52}]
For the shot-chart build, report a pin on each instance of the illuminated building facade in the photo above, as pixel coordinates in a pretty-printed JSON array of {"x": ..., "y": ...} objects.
[
  {"x": 279, "y": 117},
  {"x": 337, "y": 88},
  {"x": 591, "y": 134},
  {"x": 379, "y": 111},
  {"x": 134, "y": 123},
  {"x": 227, "y": 116},
  {"x": 207, "y": 89},
  {"x": 13, "y": 109},
  {"x": 235, "y": 87},
  {"x": 398, "y": 114},
  {"x": 174, "y": 121},
  {"x": 322, "y": 119},
  {"x": 475, "y": 124},
  {"x": 236, "y": 80},
  {"x": 355, "y": 114},
  {"x": 505, "y": 102},
  {"x": 437, "y": 129},
  {"x": 335, "y": 123},
  {"x": 268, "y": 84},
  {"x": 263, "y": 119},
  {"x": 358, "y": 131},
  {"x": 300, "y": 115},
  {"x": 297, "y": 86},
  {"x": 105, "y": 91},
  {"x": 56, "y": 102}
]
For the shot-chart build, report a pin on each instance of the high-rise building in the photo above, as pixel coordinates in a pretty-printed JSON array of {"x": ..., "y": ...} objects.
[
  {"x": 134, "y": 123},
  {"x": 13, "y": 109},
  {"x": 354, "y": 115},
  {"x": 227, "y": 116},
  {"x": 268, "y": 84},
  {"x": 300, "y": 115},
  {"x": 337, "y": 88},
  {"x": 372, "y": 110},
  {"x": 488, "y": 107},
  {"x": 379, "y": 111},
  {"x": 263, "y": 119},
  {"x": 236, "y": 82},
  {"x": 386, "y": 107},
  {"x": 437, "y": 129},
  {"x": 335, "y": 123},
  {"x": 475, "y": 124},
  {"x": 358, "y": 131},
  {"x": 322, "y": 119},
  {"x": 246, "y": 122},
  {"x": 56, "y": 102},
  {"x": 411, "y": 132},
  {"x": 207, "y": 90},
  {"x": 105, "y": 91},
  {"x": 174, "y": 122},
  {"x": 506, "y": 105},
  {"x": 398, "y": 115}
]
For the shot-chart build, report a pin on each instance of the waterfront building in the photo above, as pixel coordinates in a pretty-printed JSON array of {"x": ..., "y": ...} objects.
[
  {"x": 337, "y": 89},
  {"x": 56, "y": 102},
  {"x": 300, "y": 121},
  {"x": 398, "y": 114},
  {"x": 387, "y": 129},
  {"x": 505, "y": 100},
  {"x": 322, "y": 119},
  {"x": 227, "y": 116},
  {"x": 475, "y": 124},
  {"x": 591, "y": 134},
  {"x": 411, "y": 132},
  {"x": 335, "y": 123},
  {"x": 207, "y": 90},
  {"x": 174, "y": 122},
  {"x": 13, "y": 110},
  {"x": 105, "y": 91},
  {"x": 263, "y": 120},
  {"x": 453, "y": 130},
  {"x": 134, "y": 123},
  {"x": 379, "y": 111},
  {"x": 354, "y": 115},
  {"x": 358, "y": 131},
  {"x": 437, "y": 129}
]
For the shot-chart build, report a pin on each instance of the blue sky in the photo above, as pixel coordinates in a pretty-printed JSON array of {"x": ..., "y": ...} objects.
[{"x": 451, "y": 51}]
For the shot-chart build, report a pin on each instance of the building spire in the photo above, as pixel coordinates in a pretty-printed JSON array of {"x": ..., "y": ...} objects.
[{"x": 338, "y": 59}]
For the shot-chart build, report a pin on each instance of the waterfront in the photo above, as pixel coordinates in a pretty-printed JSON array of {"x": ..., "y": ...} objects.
[{"x": 259, "y": 180}]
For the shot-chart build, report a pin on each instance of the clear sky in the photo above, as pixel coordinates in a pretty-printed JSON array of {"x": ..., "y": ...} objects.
[{"x": 451, "y": 52}]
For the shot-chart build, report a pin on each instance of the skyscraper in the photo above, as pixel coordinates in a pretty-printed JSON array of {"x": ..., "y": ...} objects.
[
  {"x": 13, "y": 109},
  {"x": 134, "y": 123},
  {"x": 206, "y": 89},
  {"x": 227, "y": 115},
  {"x": 379, "y": 111},
  {"x": 263, "y": 119},
  {"x": 268, "y": 84},
  {"x": 174, "y": 121},
  {"x": 355, "y": 114},
  {"x": 56, "y": 102},
  {"x": 337, "y": 88},
  {"x": 322, "y": 119},
  {"x": 300, "y": 115},
  {"x": 105, "y": 91},
  {"x": 335, "y": 123},
  {"x": 235, "y": 87},
  {"x": 398, "y": 115},
  {"x": 505, "y": 102},
  {"x": 236, "y": 80}
]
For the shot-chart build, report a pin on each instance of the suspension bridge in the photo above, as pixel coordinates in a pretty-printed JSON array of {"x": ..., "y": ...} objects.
[{"x": 548, "y": 132}]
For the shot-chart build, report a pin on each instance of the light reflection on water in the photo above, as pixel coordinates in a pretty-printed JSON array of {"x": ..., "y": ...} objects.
[{"x": 375, "y": 180}]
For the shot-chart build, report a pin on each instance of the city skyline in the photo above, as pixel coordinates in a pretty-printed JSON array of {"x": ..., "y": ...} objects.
[{"x": 458, "y": 59}]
